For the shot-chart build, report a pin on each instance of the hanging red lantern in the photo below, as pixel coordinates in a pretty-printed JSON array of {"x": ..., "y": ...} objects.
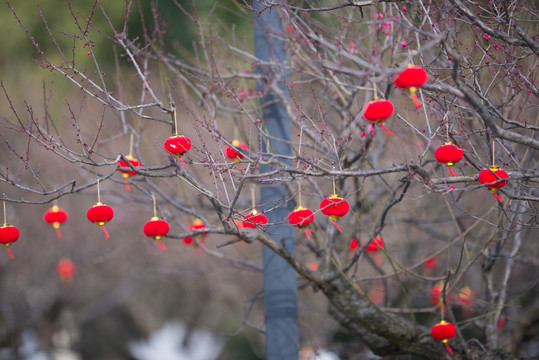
[
  {"x": 301, "y": 217},
  {"x": 335, "y": 207},
  {"x": 431, "y": 263},
  {"x": 178, "y": 144},
  {"x": 375, "y": 245},
  {"x": 493, "y": 175},
  {"x": 197, "y": 224},
  {"x": 449, "y": 154},
  {"x": 8, "y": 235},
  {"x": 378, "y": 111},
  {"x": 56, "y": 216},
  {"x": 100, "y": 214},
  {"x": 412, "y": 78},
  {"x": 255, "y": 219},
  {"x": 354, "y": 245},
  {"x": 157, "y": 228},
  {"x": 234, "y": 154},
  {"x": 436, "y": 295},
  {"x": 128, "y": 173},
  {"x": 66, "y": 270},
  {"x": 443, "y": 331},
  {"x": 465, "y": 299}
]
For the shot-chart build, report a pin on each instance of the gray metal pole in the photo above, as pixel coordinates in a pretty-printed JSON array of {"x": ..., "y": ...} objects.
[{"x": 280, "y": 287}]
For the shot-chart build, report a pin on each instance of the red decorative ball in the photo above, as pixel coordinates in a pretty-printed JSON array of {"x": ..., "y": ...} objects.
[
  {"x": 436, "y": 294},
  {"x": 178, "y": 144},
  {"x": 448, "y": 154},
  {"x": 123, "y": 164},
  {"x": 378, "y": 110},
  {"x": 443, "y": 331},
  {"x": 334, "y": 206},
  {"x": 375, "y": 245},
  {"x": 66, "y": 269},
  {"x": 232, "y": 153},
  {"x": 301, "y": 217},
  {"x": 197, "y": 224},
  {"x": 55, "y": 216},
  {"x": 412, "y": 77},
  {"x": 255, "y": 219},
  {"x": 156, "y": 228},
  {"x": 486, "y": 176},
  {"x": 354, "y": 245},
  {"x": 8, "y": 234},
  {"x": 431, "y": 263},
  {"x": 100, "y": 214}
]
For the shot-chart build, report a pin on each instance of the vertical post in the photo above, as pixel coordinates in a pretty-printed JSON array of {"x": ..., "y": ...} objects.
[{"x": 280, "y": 287}]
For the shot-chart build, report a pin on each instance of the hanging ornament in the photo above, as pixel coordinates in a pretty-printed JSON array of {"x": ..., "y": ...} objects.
[
  {"x": 436, "y": 293},
  {"x": 8, "y": 233},
  {"x": 100, "y": 214},
  {"x": 301, "y": 217},
  {"x": 431, "y": 263},
  {"x": 335, "y": 207},
  {"x": 255, "y": 219},
  {"x": 197, "y": 224},
  {"x": 354, "y": 245},
  {"x": 66, "y": 270},
  {"x": 491, "y": 175},
  {"x": 128, "y": 173},
  {"x": 157, "y": 228},
  {"x": 375, "y": 245},
  {"x": 449, "y": 154},
  {"x": 178, "y": 145},
  {"x": 378, "y": 111},
  {"x": 410, "y": 79},
  {"x": 443, "y": 331},
  {"x": 234, "y": 154},
  {"x": 56, "y": 216}
]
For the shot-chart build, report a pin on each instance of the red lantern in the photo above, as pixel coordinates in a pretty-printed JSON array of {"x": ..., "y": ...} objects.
[
  {"x": 379, "y": 111},
  {"x": 100, "y": 214},
  {"x": 465, "y": 300},
  {"x": 234, "y": 154},
  {"x": 56, "y": 216},
  {"x": 443, "y": 331},
  {"x": 431, "y": 263},
  {"x": 301, "y": 217},
  {"x": 178, "y": 144},
  {"x": 157, "y": 228},
  {"x": 412, "y": 78},
  {"x": 66, "y": 270},
  {"x": 128, "y": 173},
  {"x": 493, "y": 175},
  {"x": 335, "y": 207},
  {"x": 449, "y": 154},
  {"x": 354, "y": 245},
  {"x": 436, "y": 295},
  {"x": 8, "y": 235},
  {"x": 255, "y": 219},
  {"x": 375, "y": 245},
  {"x": 197, "y": 224}
]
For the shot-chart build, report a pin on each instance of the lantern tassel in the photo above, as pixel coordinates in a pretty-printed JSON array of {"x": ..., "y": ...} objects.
[
  {"x": 182, "y": 163},
  {"x": 449, "y": 348},
  {"x": 308, "y": 232},
  {"x": 500, "y": 199},
  {"x": 337, "y": 225},
  {"x": 161, "y": 245},
  {"x": 377, "y": 258},
  {"x": 106, "y": 233},
  {"x": 127, "y": 187},
  {"x": 58, "y": 233},
  {"x": 386, "y": 129},
  {"x": 10, "y": 253},
  {"x": 415, "y": 100},
  {"x": 451, "y": 171}
]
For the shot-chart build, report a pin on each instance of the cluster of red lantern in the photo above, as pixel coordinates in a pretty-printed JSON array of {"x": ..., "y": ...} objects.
[
  {"x": 443, "y": 332},
  {"x": 334, "y": 207},
  {"x": 56, "y": 216},
  {"x": 232, "y": 153},
  {"x": 301, "y": 217},
  {"x": 449, "y": 154}
]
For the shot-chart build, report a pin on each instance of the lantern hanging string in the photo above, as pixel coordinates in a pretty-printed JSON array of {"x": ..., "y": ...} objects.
[
  {"x": 253, "y": 200},
  {"x": 98, "y": 192},
  {"x": 493, "y": 152},
  {"x": 374, "y": 84},
  {"x": 175, "y": 120},
  {"x": 154, "y": 206},
  {"x": 299, "y": 193},
  {"x": 131, "y": 145},
  {"x": 5, "y": 222}
]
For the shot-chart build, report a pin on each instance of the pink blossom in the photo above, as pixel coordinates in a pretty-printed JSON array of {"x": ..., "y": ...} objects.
[
  {"x": 486, "y": 37},
  {"x": 495, "y": 46},
  {"x": 404, "y": 8},
  {"x": 404, "y": 43},
  {"x": 351, "y": 45}
]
